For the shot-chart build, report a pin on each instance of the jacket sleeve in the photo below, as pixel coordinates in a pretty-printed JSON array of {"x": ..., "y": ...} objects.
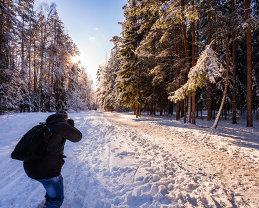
[{"x": 71, "y": 133}]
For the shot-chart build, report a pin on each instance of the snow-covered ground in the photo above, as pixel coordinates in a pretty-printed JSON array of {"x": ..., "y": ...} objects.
[{"x": 146, "y": 162}]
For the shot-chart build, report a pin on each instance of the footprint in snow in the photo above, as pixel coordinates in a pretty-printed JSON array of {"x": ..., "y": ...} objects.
[
  {"x": 115, "y": 169},
  {"x": 156, "y": 178},
  {"x": 76, "y": 204}
]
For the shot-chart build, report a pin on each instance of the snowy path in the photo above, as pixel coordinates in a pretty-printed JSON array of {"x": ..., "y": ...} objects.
[{"x": 146, "y": 162}]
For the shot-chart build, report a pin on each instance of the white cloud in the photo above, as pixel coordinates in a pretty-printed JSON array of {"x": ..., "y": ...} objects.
[
  {"x": 91, "y": 38},
  {"x": 96, "y": 28}
]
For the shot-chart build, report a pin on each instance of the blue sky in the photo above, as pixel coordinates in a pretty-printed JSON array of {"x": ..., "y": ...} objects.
[{"x": 91, "y": 24}]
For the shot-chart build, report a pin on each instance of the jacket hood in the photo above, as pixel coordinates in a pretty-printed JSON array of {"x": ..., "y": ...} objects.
[{"x": 57, "y": 117}]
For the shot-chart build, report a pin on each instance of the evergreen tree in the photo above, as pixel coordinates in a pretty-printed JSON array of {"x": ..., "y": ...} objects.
[
  {"x": 158, "y": 39},
  {"x": 36, "y": 69}
]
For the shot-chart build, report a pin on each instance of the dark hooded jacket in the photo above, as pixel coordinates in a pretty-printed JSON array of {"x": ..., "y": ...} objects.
[{"x": 50, "y": 166}]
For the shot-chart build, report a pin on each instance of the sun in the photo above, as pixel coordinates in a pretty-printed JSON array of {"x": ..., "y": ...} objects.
[{"x": 75, "y": 59}]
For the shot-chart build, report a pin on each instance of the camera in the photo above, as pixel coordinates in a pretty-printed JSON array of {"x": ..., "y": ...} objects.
[{"x": 71, "y": 122}]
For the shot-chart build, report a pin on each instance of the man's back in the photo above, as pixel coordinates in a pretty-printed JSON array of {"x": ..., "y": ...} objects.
[{"x": 50, "y": 165}]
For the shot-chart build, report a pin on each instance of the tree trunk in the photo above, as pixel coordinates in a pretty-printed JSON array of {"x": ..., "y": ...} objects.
[
  {"x": 29, "y": 50},
  {"x": 225, "y": 111},
  {"x": 182, "y": 108},
  {"x": 178, "y": 110},
  {"x": 136, "y": 111},
  {"x": 140, "y": 106},
  {"x": 209, "y": 87},
  {"x": 29, "y": 62},
  {"x": 193, "y": 64},
  {"x": 234, "y": 108},
  {"x": 22, "y": 46},
  {"x": 226, "y": 84},
  {"x": 249, "y": 65},
  {"x": 189, "y": 108},
  {"x": 154, "y": 102},
  {"x": 170, "y": 108},
  {"x": 193, "y": 109},
  {"x": 201, "y": 110},
  {"x": 137, "y": 98},
  {"x": 209, "y": 100},
  {"x": 42, "y": 49},
  {"x": 34, "y": 67},
  {"x": 178, "y": 71},
  {"x": 3, "y": 63},
  {"x": 197, "y": 111},
  {"x": 187, "y": 61}
]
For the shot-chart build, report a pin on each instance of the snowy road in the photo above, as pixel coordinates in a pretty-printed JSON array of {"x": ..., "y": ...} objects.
[{"x": 146, "y": 162}]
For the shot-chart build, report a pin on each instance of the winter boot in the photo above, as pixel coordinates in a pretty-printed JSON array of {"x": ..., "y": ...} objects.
[{"x": 43, "y": 204}]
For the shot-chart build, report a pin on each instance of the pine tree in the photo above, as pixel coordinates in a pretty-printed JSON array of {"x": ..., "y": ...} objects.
[
  {"x": 36, "y": 70},
  {"x": 249, "y": 65},
  {"x": 156, "y": 44},
  {"x": 9, "y": 79},
  {"x": 226, "y": 82},
  {"x": 108, "y": 85}
]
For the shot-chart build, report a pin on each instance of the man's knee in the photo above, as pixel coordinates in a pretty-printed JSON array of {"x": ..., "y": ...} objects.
[{"x": 61, "y": 201}]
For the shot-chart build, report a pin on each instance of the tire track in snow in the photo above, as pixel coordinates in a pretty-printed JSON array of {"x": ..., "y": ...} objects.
[
  {"x": 124, "y": 163},
  {"x": 83, "y": 158},
  {"x": 208, "y": 165}
]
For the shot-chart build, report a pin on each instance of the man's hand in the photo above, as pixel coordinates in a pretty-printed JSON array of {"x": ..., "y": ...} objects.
[{"x": 71, "y": 122}]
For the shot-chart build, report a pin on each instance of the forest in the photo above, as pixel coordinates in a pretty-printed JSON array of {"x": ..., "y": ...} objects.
[
  {"x": 38, "y": 71},
  {"x": 187, "y": 57}
]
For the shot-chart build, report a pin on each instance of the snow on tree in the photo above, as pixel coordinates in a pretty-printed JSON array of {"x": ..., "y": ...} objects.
[
  {"x": 108, "y": 89},
  {"x": 36, "y": 71},
  {"x": 207, "y": 68}
]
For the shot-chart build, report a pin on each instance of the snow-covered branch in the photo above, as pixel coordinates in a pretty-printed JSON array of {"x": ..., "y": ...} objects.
[{"x": 207, "y": 68}]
